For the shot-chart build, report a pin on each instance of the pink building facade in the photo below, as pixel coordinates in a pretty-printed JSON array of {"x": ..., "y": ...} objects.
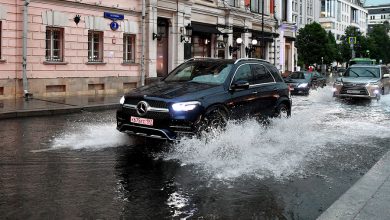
[{"x": 79, "y": 47}]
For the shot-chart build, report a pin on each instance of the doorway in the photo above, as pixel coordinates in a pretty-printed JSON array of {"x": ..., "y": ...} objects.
[{"x": 162, "y": 47}]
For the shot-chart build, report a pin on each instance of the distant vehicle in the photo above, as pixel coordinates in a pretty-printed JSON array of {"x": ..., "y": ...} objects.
[
  {"x": 201, "y": 94},
  {"x": 363, "y": 81},
  {"x": 301, "y": 81},
  {"x": 366, "y": 61}
]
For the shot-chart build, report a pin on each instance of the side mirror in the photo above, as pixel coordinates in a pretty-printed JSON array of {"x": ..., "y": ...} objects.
[
  {"x": 240, "y": 85},
  {"x": 386, "y": 75}
]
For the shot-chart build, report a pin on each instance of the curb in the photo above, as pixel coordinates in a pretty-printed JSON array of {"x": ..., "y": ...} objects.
[{"x": 55, "y": 111}]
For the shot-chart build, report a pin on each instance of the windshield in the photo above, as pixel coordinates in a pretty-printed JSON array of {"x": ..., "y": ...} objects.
[
  {"x": 372, "y": 72},
  {"x": 201, "y": 72}
]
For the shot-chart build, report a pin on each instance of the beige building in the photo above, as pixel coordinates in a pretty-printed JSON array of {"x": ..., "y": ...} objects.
[{"x": 74, "y": 47}]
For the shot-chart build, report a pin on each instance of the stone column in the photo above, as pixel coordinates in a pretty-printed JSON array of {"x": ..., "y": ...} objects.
[{"x": 150, "y": 44}]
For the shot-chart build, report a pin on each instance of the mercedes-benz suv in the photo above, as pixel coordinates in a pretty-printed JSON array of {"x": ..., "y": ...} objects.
[
  {"x": 204, "y": 93},
  {"x": 363, "y": 81}
]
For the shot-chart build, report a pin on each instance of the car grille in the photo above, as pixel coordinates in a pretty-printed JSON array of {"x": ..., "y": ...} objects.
[
  {"x": 152, "y": 103},
  {"x": 149, "y": 114},
  {"x": 354, "y": 89}
]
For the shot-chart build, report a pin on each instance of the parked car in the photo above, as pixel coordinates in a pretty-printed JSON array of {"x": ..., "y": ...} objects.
[
  {"x": 301, "y": 81},
  {"x": 363, "y": 81},
  {"x": 204, "y": 93}
]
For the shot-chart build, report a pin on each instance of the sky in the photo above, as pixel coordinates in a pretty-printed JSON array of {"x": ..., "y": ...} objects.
[{"x": 376, "y": 2}]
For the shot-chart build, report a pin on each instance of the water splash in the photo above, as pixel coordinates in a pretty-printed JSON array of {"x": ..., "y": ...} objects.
[
  {"x": 285, "y": 147},
  {"x": 91, "y": 136}
]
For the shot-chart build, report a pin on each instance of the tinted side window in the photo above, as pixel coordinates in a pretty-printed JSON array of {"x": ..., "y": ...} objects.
[
  {"x": 243, "y": 73},
  {"x": 261, "y": 74},
  {"x": 275, "y": 73}
]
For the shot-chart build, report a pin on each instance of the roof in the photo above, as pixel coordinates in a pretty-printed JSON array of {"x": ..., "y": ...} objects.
[{"x": 384, "y": 10}]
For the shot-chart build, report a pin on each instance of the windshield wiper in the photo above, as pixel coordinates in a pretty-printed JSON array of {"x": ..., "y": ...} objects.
[{"x": 372, "y": 73}]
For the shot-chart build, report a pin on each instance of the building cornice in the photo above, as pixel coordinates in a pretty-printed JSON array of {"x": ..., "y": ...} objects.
[{"x": 86, "y": 5}]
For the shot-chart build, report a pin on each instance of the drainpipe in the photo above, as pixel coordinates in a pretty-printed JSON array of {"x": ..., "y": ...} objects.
[
  {"x": 26, "y": 94},
  {"x": 143, "y": 45}
]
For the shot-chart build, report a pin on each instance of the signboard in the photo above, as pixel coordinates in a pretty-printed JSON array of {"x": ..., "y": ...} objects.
[
  {"x": 113, "y": 16},
  {"x": 352, "y": 40},
  {"x": 114, "y": 26}
]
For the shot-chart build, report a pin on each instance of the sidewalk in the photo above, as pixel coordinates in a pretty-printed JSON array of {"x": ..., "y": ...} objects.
[
  {"x": 369, "y": 198},
  {"x": 20, "y": 107}
]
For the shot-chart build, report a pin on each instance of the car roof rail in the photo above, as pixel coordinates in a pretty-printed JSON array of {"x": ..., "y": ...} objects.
[{"x": 254, "y": 59}]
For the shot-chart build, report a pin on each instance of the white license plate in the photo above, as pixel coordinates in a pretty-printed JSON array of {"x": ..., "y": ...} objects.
[
  {"x": 353, "y": 91},
  {"x": 142, "y": 121}
]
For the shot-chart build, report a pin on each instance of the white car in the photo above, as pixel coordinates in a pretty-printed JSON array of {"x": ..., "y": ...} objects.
[{"x": 363, "y": 81}]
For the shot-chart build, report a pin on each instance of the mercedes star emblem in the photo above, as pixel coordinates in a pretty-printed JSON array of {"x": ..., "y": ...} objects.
[{"x": 142, "y": 108}]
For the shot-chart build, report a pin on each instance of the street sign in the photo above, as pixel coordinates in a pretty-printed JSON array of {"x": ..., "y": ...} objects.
[
  {"x": 113, "y": 16},
  {"x": 114, "y": 26},
  {"x": 352, "y": 40}
]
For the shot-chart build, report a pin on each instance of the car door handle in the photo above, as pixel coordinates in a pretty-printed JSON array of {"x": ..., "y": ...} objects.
[{"x": 254, "y": 92}]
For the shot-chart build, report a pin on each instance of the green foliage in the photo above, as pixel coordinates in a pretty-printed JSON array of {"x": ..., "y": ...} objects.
[
  {"x": 313, "y": 43},
  {"x": 379, "y": 43},
  {"x": 361, "y": 46}
]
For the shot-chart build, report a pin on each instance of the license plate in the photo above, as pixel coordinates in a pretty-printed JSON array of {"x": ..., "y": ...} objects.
[
  {"x": 142, "y": 121},
  {"x": 353, "y": 91}
]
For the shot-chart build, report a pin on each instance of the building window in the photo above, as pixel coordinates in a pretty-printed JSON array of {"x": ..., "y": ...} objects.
[
  {"x": 234, "y": 3},
  {"x": 54, "y": 44},
  {"x": 95, "y": 46},
  {"x": 129, "y": 48},
  {"x": 256, "y": 6}
]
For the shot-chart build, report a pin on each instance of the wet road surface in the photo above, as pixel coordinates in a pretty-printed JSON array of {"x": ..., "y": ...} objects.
[{"x": 78, "y": 166}]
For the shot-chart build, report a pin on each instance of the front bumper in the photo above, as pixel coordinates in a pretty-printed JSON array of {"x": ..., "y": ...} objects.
[
  {"x": 165, "y": 127},
  {"x": 356, "y": 91}
]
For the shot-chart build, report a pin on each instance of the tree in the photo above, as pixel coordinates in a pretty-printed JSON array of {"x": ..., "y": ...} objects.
[
  {"x": 361, "y": 46},
  {"x": 379, "y": 46},
  {"x": 313, "y": 43}
]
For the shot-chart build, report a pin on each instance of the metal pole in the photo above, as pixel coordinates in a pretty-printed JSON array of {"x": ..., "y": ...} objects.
[
  {"x": 143, "y": 45},
  {"x": 262, "y": 29},
  {"x": 26, "y": 94}
]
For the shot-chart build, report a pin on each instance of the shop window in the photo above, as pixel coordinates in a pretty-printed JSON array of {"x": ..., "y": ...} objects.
[
  {"x": 54, "y": 44},
  {"x": 234, "y": 3},
  {"x": 129, "y": 48},
  {"x": 95, "y": 46}
]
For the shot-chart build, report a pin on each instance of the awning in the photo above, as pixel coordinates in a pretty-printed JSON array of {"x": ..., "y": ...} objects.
[
  {"x": 204, "y": 28},
  {"x": 290, "y": 38}
]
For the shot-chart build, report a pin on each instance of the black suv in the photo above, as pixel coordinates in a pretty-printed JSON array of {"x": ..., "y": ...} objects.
[{"x": 204, "y": 93}]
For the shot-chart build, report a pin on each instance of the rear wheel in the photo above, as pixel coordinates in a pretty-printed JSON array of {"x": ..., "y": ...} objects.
[{"x": 282, "y": 111}]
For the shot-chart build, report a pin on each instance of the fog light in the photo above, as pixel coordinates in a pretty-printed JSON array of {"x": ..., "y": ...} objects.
[
  {"x": 334, "y": 89},
  {"x": 376, "y": 91}
]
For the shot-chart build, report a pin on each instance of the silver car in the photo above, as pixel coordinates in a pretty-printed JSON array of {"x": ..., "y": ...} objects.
[{"x": 363, "y": 81}]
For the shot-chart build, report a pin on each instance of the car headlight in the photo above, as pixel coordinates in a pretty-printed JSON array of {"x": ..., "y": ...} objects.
[
  {"x": 122, "y": 100},
  {"x": 185, "y": 106},
  {"x": 372, "y": 84},
  {"x": 338, "y": 83},
  {"x": 302, "y": 85}
]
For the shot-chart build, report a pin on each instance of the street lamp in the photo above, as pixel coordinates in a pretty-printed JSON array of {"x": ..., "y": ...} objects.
[
  {"x": 251, "y": 48},
  {"x": 322, "y": 64}
]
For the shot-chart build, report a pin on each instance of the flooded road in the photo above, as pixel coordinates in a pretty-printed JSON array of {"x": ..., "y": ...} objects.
[{"x": 79, "y": 166}]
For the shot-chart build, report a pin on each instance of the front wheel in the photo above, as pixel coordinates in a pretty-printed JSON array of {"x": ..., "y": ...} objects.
[
  {"x": 213, "y": 119},
  {"x": 282, "y": 111}
]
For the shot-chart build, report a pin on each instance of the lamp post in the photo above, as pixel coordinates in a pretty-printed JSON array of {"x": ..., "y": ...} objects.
[{"x": 322, "y": 64}]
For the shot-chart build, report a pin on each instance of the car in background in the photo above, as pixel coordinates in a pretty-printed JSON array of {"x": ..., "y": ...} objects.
[
  {"x": 301, "y": 82},
  {"x": 202, "y": 94},
  {"x": 363, "y": 81}
]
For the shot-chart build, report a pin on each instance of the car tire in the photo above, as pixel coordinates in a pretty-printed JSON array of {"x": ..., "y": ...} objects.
[
  {"x": 214, "y": 118},
  {"x": 378, "y": 97},
  {"x": 282, "y": 111}
]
